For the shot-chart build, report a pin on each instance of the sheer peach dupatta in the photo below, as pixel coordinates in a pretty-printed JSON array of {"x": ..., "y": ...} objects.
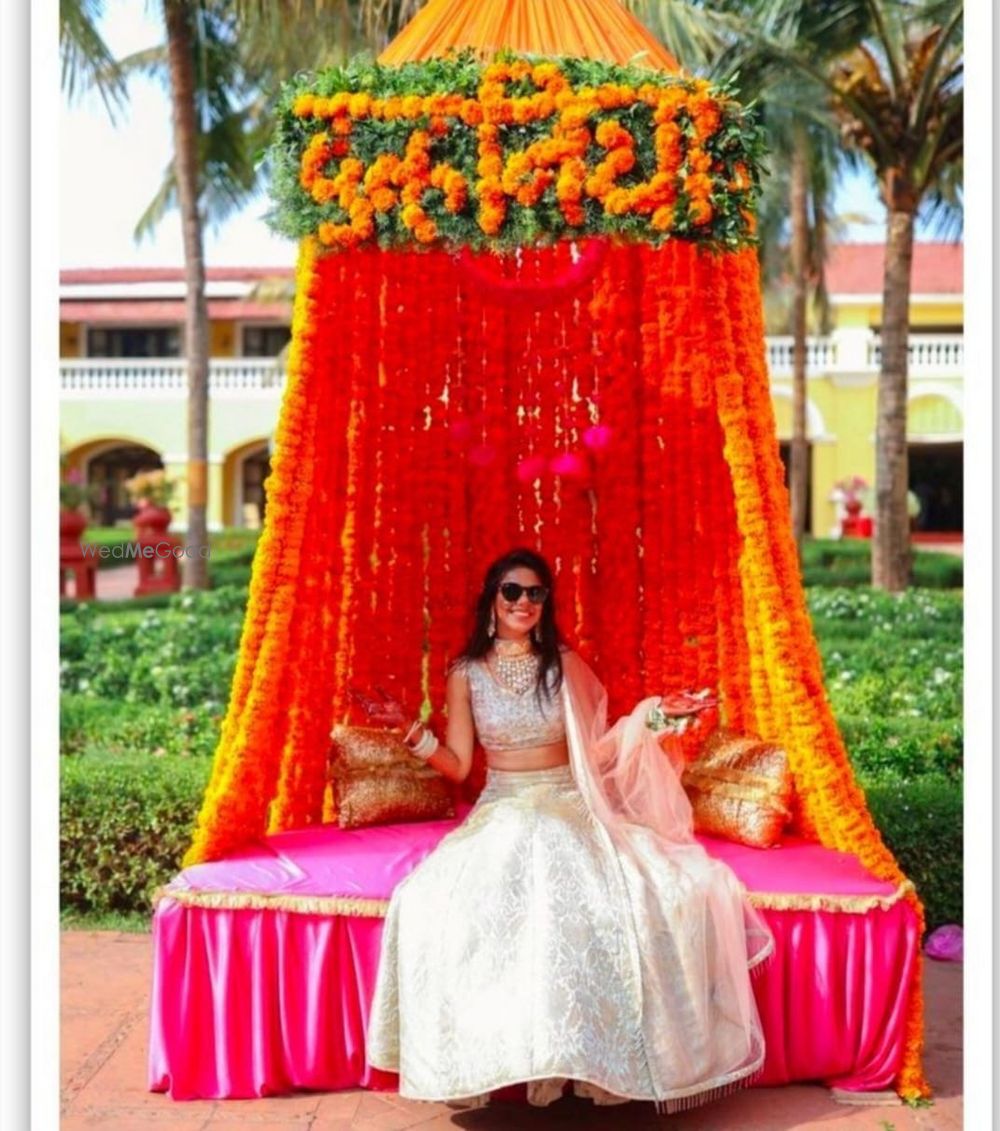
[{"x": 696, "y": 936}]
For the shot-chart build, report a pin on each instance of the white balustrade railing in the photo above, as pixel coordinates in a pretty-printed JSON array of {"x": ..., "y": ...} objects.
[
  {"x": 87, "y": 377},
  {"x": 944, "y": 353},
  {"x": 821, "y": 354},
  {"x": 95, "y": 376}
]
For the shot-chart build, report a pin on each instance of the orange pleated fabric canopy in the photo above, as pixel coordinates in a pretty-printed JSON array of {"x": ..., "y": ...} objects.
[{"x": 587, "y": 29}]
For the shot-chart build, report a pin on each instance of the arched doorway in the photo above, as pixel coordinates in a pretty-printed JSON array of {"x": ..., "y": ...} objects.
[
  {"x": 935, "y": 453},
  {"x": 936, "y": 480},
  {"x": 108, "y": 469},
  {"x": 246, "y": 469}
]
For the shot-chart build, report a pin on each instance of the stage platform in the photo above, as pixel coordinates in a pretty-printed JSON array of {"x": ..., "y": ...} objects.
[{"x": 265, "y": 963}]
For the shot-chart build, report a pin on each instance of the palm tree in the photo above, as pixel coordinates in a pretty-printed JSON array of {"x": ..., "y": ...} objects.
[
  {"x": 223, "y": 62},
  {"x": 898, "y": 96}
]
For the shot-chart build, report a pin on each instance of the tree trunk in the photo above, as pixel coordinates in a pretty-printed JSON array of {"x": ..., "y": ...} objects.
[
  {"x": 799, "y": 206},
  {"x": 180, "y": 50},
  {"x": 891, "y": 542}
]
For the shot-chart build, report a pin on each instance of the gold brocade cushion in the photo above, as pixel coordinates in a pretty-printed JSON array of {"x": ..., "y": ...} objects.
[
  {"x": 375, "y": 780},
  {"x": 740, "y": 789}
]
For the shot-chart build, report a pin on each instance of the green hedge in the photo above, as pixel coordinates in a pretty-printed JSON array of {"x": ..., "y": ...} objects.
[
  {"x": 847, "y": 562},
  {"x": 124, "y": 827},
  {"x": 921, "y": 821},
  {"x": 126, "y": 823}
]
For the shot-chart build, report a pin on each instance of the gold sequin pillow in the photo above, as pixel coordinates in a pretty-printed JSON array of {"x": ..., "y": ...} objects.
[
  {"x": 740, "y": 789},
  {"x": 375, "y": 780}
]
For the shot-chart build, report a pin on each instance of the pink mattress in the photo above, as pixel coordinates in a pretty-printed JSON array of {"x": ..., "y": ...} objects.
[{"x": 265, "y": 963}]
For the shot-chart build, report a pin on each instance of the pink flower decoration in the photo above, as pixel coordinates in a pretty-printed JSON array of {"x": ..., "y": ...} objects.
[
  {"x": 570, "y": 465},
  {"x": 596, "y": 437}
]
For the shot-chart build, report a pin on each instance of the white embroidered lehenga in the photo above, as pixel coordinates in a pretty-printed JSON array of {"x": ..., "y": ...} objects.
[{"x": 571, "y": 928}]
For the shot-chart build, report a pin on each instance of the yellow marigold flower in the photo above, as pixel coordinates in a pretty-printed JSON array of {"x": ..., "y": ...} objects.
[
  {"x": 412, "y": 214},
  {"x": 303, "y": 105},
  {"x": 359, "y": 105},
  {"x": 352, "y": 168},
  {"x": 543, "y": 73},
  {"x": 412, "y": 106},
  {"x": 574, "y": 116},
  {"x": 339, "y": 103},
  {"x": 323, "y": 191},
  {"x": 618, "y": 202},
  {"x": 663, "y": 219}
]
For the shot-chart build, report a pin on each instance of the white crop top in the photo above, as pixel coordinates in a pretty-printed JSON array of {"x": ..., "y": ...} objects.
[{"x": 510, "y": 720}]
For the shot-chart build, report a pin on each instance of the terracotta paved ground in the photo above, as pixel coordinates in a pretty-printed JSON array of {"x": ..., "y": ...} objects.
[{"x": 105, "y": 987}]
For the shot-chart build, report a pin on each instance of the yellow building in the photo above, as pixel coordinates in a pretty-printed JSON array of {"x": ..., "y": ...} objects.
[{"x": 123, "y": 383}]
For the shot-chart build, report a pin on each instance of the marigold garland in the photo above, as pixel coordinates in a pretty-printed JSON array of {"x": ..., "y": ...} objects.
[
  {"x": 510, "y": 153},
  {"x": 661, "y": 348}
]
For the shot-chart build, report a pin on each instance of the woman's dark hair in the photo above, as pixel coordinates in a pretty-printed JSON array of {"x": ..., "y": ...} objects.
[{"x": 550, "y": 638}]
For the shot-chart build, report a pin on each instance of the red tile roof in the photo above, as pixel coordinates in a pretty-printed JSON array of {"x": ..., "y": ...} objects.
[
  {"x": 94, "y": 275},
  {"x": 152, "y": 312},
  {"x": 856, "y": 268}
]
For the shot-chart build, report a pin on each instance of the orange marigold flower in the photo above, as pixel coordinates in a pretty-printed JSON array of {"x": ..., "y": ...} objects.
[
  {"x": 342, "y": 126},
  {"x": 392, "y": 108},
  {"x": 471, "y": 112},
  {"x": 383, "y": 199},
  {"x": 426, "y": 231},
  {"x": 612, "y": 135},
  {"x": 700, "y": 212},
  {"x": 340, "y": 102},
  {"x": 698, "y": 184}
]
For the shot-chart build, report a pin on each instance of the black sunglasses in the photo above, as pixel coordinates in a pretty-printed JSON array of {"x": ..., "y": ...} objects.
[{"x": 511, "y": 591}]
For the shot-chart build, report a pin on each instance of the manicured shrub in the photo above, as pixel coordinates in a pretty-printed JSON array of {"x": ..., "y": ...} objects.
[
  {"x": 921, "y": 822},
  {"x": 125, "y": 824},
  {"x": 88, "y": 725},
  {"x": 903, "y": 747},
  {"x": 847, "y": 562}
]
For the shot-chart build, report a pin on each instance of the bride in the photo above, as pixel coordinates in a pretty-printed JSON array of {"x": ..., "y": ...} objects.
[{"x": 571, "y": 929}]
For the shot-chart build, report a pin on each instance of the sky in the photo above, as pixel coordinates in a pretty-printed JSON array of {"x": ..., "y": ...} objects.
[{"x": 109, "y": 173}]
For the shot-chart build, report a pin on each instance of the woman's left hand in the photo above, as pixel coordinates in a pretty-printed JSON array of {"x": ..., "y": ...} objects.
[{"x": 677, "y": 704}]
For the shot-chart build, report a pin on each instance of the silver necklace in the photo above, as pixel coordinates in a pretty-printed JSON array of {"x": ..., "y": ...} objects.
[{"x": 517, "y": 672}]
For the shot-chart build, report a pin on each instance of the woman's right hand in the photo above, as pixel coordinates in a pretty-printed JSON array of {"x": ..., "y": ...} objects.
[{"x": 381, "y": 708}]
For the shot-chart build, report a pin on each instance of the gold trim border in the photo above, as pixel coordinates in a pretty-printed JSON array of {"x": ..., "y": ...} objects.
[{"x": 377, "y": 908}]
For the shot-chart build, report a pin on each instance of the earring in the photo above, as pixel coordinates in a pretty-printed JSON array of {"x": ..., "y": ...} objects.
[{"x": 492, "y": 630}]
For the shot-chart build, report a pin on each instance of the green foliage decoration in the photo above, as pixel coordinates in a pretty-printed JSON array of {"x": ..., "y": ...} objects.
[{"x": 738, "y": 141}]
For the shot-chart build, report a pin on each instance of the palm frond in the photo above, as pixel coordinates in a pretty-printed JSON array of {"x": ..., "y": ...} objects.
[{"x": 86, "y": 61}]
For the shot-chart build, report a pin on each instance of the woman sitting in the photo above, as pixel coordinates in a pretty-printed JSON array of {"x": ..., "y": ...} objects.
[{"x": 571, "y": 928}]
